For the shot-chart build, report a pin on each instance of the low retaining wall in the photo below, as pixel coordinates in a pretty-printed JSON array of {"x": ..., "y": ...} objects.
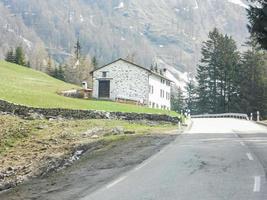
[{"x": 26, "y": 111}]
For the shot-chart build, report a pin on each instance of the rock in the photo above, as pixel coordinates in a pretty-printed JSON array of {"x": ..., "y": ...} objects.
[
  {"x": 119, "y": 130},
  {"x": 129, "y": 132},
  {"x": 42, "y": 127},
  {"x": 10, "y": 169},
  {"x": 35, "y": 116},
  {"x": 94, "y": 131},
  {"x": 95, "y": 137}
]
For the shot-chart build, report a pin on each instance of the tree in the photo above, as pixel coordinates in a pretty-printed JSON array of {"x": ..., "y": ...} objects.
[
  {"x": 20, "y": 56},
  {"x": 94, "y": 62},
  {"x": 77, "y": 49},
  {"x": 49, "y": 69},
  {"x": 217, "y": 75},
  {"x": 177, "y": 100},
  {"x": 257, "y": 15},
  {"x": 10, "y": 56},
  {"x": 253, "y": 82},
  {"x": 60, "y": 73},
  {"x": 190, "y": 98}
]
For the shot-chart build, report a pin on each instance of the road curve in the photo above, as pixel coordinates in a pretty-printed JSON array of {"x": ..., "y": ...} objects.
[{"x": 220, "y": 159}]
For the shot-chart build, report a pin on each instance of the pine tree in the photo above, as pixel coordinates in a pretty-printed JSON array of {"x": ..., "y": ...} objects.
[
  {"x": 94, "y": 63},
  {"x": 10, "y": 56},
  {"x": 257, "y": 16},
  {"x": 190, "y": 98},
  {"x": 77, "y": 50},
  {"x": 49, "y": 69},
  {"x": 177, "y": 100},
  {"x": 60, "y": 73},
  {"x": 217, "y": 75},
  {"x": 253, "y": 83},
  {"x": 20, "y": 56}
]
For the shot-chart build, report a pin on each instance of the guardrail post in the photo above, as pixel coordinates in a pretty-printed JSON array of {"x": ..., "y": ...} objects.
[{"x": 258, "y": 116}]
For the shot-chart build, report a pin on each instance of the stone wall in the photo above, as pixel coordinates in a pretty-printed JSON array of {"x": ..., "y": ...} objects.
[
  {"x": 48, "y": 113},
  {"x": 127, "y": 81}
]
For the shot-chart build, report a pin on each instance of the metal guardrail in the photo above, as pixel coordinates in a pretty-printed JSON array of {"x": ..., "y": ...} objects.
[{"x": 223, "y": 115}]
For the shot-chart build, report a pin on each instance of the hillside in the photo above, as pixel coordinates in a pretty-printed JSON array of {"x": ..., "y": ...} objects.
[
  {"x": 32, "y": 88},
  {"x": 167, "y": 32}
]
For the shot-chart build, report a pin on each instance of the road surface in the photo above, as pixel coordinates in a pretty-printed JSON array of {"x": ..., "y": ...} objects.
[{"x": 218, "y": 159}]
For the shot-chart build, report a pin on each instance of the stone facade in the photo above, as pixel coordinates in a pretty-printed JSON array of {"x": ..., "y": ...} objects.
[
  {"x": 28, "y": 112},
  {"x": 127, "y": 81}
]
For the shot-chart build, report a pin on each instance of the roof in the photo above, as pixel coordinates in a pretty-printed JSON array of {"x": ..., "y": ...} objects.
[{"x": 121, "y": 59}]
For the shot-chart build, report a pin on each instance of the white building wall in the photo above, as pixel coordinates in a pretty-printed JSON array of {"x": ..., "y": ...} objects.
[
  {"x": 127, "y": 81},
  {"x": 160, "y": 93}
]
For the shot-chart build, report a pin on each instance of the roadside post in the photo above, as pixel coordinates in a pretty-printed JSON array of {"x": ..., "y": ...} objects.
[
  {"x": 251, "y": 116},
  {"x": 258, "y": 116}
]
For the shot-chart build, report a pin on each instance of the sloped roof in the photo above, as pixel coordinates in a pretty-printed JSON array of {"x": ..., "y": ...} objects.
[{"x": 121, "y": 59}]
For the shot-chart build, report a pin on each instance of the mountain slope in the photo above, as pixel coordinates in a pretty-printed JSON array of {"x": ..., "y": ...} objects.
[{"x": 165, "y": 31}]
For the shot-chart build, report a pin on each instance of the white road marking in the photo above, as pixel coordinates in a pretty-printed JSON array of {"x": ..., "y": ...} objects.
[
  {"x": 257, "y": 184},
  {"x": 250, "y": 157},
  {"x": 242, "y": 143},
  {"x": 116, "y": 182}
]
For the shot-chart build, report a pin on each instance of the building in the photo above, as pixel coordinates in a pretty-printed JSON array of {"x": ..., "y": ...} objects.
[{"x": 123, "y": 80}]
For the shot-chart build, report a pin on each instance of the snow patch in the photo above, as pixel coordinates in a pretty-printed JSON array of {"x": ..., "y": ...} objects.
[
  {"x": 238, "y": 2},
  {"x": 196, "y": 5},
  {"x": 27, "y": 42},
  {"x": 120, "y": 6},
  {"x": 81, "y": 18}
]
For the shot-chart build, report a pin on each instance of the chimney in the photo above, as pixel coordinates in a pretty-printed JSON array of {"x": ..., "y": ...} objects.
[{"x": 84, "y": 85}]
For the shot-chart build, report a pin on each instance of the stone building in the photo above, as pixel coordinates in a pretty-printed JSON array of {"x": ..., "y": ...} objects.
[{"x": 123, "y": 80}]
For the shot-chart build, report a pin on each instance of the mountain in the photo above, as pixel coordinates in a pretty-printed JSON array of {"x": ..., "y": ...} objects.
[{"x": 167, "y": 32}]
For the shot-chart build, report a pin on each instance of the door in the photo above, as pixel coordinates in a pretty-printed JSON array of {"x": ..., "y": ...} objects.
[{"x": 104, "y": 89}]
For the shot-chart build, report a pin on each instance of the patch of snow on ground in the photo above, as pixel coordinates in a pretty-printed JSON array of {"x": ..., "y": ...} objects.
[
  {"x": 27, "y": 42},
  {"x": 238, "y": 2},
  {"x": 196, "y": 5},
  {"x": 121, "y": 5},
  {"x": 81, "y": 18}
]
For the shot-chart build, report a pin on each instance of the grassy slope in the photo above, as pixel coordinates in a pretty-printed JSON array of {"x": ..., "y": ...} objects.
[{"x": 28, "y": 87}]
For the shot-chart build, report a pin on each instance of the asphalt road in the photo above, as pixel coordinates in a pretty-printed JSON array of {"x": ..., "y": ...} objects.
[{"x": 224, "y": 159}]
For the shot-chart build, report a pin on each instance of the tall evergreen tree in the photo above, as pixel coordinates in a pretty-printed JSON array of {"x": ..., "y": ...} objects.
[
  {"x": 257, "y": 15},
  {"x": 216, "y": 75},
  {"x": 20, "y": 56},
  {"x": 94, "y": 62},
  {"x": 10, "y": 56},
  {"x": 177, "y": 100},
  {"x": 190, "y": 98},
  {"x": 253, "y": 83},
  {"x": 77, "y": 50},
  {"x": 60, "y": 73}
]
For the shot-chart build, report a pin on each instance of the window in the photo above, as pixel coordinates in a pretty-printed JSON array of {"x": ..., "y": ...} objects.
[
  {"x": 162, "y": 93},
  {"x": 162, "y": 81},
  {"x": 104, "y": 74},
  {"x": 151, "y": 89},
  {"x": 168, "y": 96},
  {"x": 168, "y": 83}
]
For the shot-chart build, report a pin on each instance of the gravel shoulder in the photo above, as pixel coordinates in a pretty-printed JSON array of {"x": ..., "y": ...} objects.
[{"x": 102, "y": 162}]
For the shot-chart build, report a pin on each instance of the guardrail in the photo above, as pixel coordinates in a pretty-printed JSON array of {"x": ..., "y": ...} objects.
[{"x": 223, "y": 115}]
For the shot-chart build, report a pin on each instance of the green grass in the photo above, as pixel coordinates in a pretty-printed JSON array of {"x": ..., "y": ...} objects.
[{"x": 28, "y": 87}]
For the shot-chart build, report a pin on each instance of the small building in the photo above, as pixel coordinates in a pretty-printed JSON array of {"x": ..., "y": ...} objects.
[{"x": 125, "y": 81}]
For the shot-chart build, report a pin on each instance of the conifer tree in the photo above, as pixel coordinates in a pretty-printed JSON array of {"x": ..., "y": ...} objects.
[
  {"x": 10, "y": 56},
  {"x": 257, "y": 15},
  {"x": 20, "y": 56}
]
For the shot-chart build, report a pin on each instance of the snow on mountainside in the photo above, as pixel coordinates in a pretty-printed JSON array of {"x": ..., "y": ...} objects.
[
  {"x": 168, "y": 30},
  {"x": 238, "y": 2}
]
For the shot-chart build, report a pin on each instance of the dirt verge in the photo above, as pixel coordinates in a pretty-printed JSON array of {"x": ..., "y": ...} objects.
[{"x": 101, "y": 162}]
